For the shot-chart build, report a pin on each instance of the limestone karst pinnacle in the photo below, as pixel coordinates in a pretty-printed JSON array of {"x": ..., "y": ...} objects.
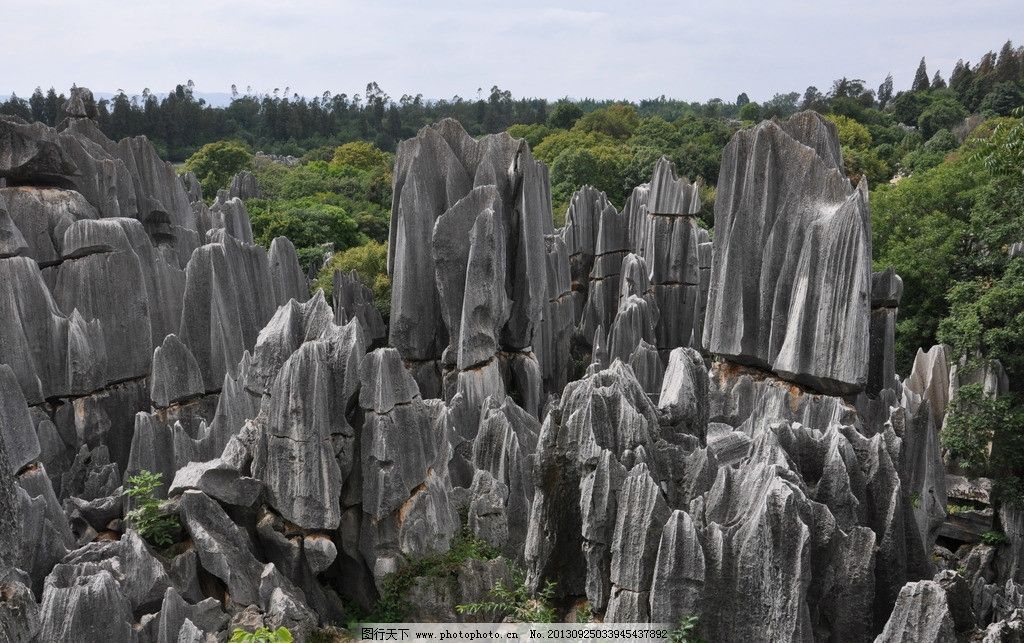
[{"x": 662, "y": 421}]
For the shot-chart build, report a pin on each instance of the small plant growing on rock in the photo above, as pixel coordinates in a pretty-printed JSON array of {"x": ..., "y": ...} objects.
[
  {"x": 146, "y": 518},
  {"x": 518, "y": 602},
  {"x": 262, "y": 635},
  {"x": 994, "y": 538},
  {"x": 584, "y": 614},
  {"x": 686, "y": 632}
]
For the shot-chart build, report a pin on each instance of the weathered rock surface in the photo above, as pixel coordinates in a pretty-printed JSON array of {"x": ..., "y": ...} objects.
[
  {"x": 224, "y": 548},
  {"x": 243, "y": 186},
  {"x": 352, "y": 299},
  {"x": 808, "y": 321},
  {"x": 921, "y": 614},
  {"x": 307, "y": 446},
  {"x": 405, "y": 450}
]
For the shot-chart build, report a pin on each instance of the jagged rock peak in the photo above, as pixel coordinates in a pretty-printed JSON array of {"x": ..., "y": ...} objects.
[
  {"x": 886, "y": 289},
  {"x": 243, "y": 186},
  {"x": 790, "y": 284},
  {"x": 353, "y": 299},
  {"x": 386, "y": 382},
  {"x": 671, "y": 195},
  {"x": 78, "y": 102}
]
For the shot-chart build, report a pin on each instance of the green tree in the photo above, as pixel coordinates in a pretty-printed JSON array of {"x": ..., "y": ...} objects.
[
  {"x": 362, "y": 156},
  {"x": 987, "y": 318},
  {"x": 261, "y": 635},
  {"x": 532, "y": 134},
  {"x": 920, "y": 228},
  {"x": 215, "y": 163},
  {"x": 945, "y": 113},
  {"x": 565, "y": 114},
  {"x": 907, "y": 106},
  {"x": 308, "y": 222},
  {"x": 750, "y": 112},
  {"x": 850, "y": 131},
  {"x": 617, "y": 120},
  {"x": 885, "y": 91},
  {"x": 986, "y": 437},
  {"x": 1003, "y": 99},
  {"x": 931, "y": 153},
  {"x": 553, "y": 145},
  {"x": 920, "y": 83}
]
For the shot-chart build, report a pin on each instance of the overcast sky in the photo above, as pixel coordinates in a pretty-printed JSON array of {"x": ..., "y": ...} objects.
[{"x": 687, "y": 50}]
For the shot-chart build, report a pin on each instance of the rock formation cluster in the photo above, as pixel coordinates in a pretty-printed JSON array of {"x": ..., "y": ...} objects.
[{"x": 663, "y": 420}]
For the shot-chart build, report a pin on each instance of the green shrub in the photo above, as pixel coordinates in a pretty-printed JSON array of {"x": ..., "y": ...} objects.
[
  {"x": 954, "y": 509},
  {"x": 686, "y": 632},
  {"x": 146, "y": 518},
  {"x": 392, "y": 606},
  {"x": 517, "y": 602},
  {"x": 215, "y": 163},
  {"x": 994, "y": 538},
  {"x": 262, "y": 635}
]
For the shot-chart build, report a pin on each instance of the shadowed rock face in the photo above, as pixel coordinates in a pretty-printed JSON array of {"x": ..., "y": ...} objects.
[{"x": 550, "y": 385}]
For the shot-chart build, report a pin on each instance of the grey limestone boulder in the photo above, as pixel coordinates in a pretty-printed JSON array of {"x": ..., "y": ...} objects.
[
  {"x": 684, "y": 395},
  {"x": 178, "y": 620},
  {"x": 175, "y": 376},
  {"x": 42, "y": 215},
  {"x": 443, "y": 294},
  {"x": 921, "y": 614},
  {"x": 608, "y": 411},
  {"x": 193, "y": 190},
  {"x": 812, "y": 261},
  {"x": 219, "y": 480},
  {"x": 243, "y": 186},
  {"x": 678, "y": 579},
  {"x": 228, "y": 298},
  {"x": 307, "y": 445},
  {"x": 49, "y": 353},
  {"x": 140, "y": 576},
  {"x": 17, "y": 429},
  {"x": 85, "y": 603},
  {"x": 286, "y": 274},
  {"x": 294, "y": 324},
  {"x": 31, "y": 153},
  {"x": 19, "y": 613},
  {"x": 503, "y": 448},
  {"x": 12, "y": 242},
  {"x": 352, "y": 298},
  {"x": 641, "y": 515},
  {"x": 557, "y": 324},
  {"x": 10, "y": 513},
  {"x": 405, "y": 450},
  {"x": 224, "y": 548}
]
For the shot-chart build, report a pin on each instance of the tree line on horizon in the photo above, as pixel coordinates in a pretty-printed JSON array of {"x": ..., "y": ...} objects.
[{"x": 282, "y": 122}]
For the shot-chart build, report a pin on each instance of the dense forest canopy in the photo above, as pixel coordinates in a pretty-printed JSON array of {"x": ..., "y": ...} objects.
[
  {"x": 943, "y": 159},
  {"x": 282, "y": 122}
]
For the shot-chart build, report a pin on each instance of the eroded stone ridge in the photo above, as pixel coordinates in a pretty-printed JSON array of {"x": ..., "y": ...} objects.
[{"x": 802, "y": 233}]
